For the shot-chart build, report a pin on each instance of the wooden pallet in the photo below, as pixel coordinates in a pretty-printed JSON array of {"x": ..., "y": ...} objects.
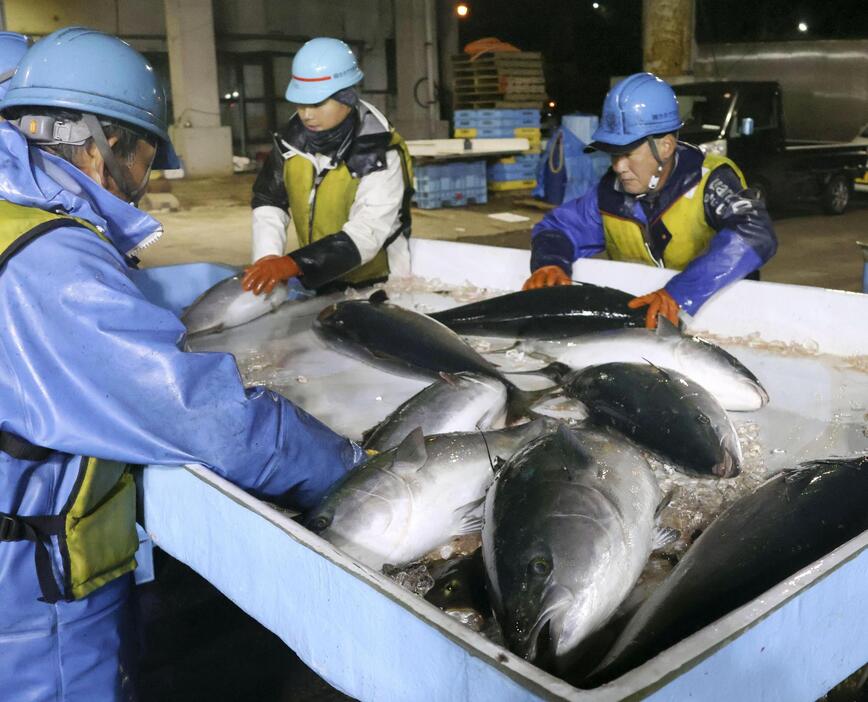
[
  {"x": 525, "y": 63},
  {"x": 500, "y": 83},
  {"x": 499, "y": 58}
]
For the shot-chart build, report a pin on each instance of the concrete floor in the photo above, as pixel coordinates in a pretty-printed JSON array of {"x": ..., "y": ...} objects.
[
  {"x": 196, "y": 644},
  {"x": 213, "y": 224}
]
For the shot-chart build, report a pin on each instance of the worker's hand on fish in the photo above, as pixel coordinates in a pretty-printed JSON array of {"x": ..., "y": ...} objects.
[
  {"x": 267, "y": 272},
  {"x": 658, "y": 302},
  {"x": 547, "y": 277}
]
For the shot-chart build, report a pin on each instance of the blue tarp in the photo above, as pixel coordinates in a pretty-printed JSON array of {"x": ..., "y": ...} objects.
[{"x": 565, "y": 171}]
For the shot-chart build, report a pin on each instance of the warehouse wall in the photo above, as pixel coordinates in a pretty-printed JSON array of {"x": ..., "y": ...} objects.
[{"x": 255, "y": 42}]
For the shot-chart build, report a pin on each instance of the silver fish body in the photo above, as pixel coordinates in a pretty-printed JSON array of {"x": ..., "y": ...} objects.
[
  {"x": 226, "y": 305},
  {"x": 461, "y": 402},
  {"x": 569, "y": 526},
  {"x": 402, "y": 503}
]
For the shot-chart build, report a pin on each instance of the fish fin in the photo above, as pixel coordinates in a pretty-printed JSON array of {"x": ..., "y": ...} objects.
[
  {"x": 505, "y": 349},
  {"x": 411, "y": 453},
  {"x": 378, "y": 297},
  {"x": 498, "y": 464},
  {"x": 664, "y": 502},
  {"x": 519, "y": 402},
  {"x": 471, "y": 521},
  {"x": 665, "y": 328},
  {"x": 659, "y": 369},
  {"x": 368, "y": 433},
  {"x": 568, "y": 438},
  {"x": 449, "y": 378},
  {"x": 663, "y": 536}
]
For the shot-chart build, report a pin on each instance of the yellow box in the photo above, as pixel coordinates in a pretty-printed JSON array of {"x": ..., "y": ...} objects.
[
  {"x": 465, "y": 133},
  {"x": 511, "y": 184},
  {"x": 529, "y": 133}
]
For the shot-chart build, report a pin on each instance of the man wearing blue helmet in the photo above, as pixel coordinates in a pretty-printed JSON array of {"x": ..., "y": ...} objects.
[
  {"x": 92, "y": 378},
  {"x": 662, "y": 203},
  {"x": 343, "y": 174}
]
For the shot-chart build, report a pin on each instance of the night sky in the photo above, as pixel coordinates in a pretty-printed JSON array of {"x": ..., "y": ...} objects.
[{"x": 583, "y": 46}]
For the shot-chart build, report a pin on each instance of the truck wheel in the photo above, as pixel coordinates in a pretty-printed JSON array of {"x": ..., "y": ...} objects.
[{"x": 836, "y": 195}]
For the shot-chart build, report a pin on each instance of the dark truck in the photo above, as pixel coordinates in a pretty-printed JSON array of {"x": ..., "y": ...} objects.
[{"x": 744, "y": 121}]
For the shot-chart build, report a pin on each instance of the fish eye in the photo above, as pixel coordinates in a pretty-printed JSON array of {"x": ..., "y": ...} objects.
[
  {"x": 540, "y": 566},
  {"x": 320, "y": 523}
]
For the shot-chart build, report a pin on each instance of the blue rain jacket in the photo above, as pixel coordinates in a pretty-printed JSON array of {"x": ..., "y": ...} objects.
[
  {"x": 89, "y": 367},
  {"x": 744, "y": 241}
]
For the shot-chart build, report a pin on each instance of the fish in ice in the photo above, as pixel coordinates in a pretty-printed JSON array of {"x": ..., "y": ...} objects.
[
  {"x": 459, "y": 402},
  {"x": 763, "y": 538},
  {"x": 404, "y": 502},
  {"x": 545, "y": 313},
  {"x": 569, "y": 525},
  {"x": 403, "y": 341},
  {"x": 662, "y": 410},
  {"x": 226, "y": 305},
  {"x": 715, "y": 369}
]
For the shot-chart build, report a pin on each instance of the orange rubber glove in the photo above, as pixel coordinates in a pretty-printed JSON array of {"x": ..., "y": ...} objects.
[
  {"x": 547, "y": 277},
  {"x": 267, "y": 272},
  {"x": 659, "y": 302}
]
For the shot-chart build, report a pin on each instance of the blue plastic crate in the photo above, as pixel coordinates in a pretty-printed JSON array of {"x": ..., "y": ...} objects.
[
  {"x": 496, "y": 118},
  {"x": 512, "y": 172},
  {"x": 451, "y": 198},
  {"x": 451, "y": 176}
]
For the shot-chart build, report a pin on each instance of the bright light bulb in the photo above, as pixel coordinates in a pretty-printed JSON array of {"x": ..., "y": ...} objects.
[
  {"x": 462, "y": 10},
  {"x": 803, "y": 27},
  {"x": 596, "y": 5}
]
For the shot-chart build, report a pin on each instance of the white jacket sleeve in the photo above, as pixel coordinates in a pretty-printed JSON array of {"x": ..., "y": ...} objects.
[
  {"x": 269, "y": 231},
  {"x": 374, "y": 213}
]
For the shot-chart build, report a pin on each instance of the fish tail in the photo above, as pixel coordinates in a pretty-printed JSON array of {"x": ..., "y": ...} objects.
[
  {"x": 519, "y": 402},
  {"x": 554, "y": 371}
]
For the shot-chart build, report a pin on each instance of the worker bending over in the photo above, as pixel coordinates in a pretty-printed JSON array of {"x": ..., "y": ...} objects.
[
  {"x": 663, "y": 203},
  {"x": 92, "y": 378},
  {"x": 342, "y": 172}
]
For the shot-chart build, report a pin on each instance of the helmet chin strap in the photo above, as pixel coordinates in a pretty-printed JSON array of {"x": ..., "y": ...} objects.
[
  {"x": 654, "y": 181},
  {"x": 119, "y": 172}
]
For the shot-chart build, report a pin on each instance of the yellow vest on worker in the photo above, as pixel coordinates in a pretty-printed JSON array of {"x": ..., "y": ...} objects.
[
  {"x": 96, "y": 530},
  {"x": 321, "y": 209},
  {"x": 627, "y": 238}
]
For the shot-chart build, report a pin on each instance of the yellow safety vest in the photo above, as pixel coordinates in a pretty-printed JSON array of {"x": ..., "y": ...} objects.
[
  {"x": 627, "y": 239},
  {"x": 96, "y": 528},
  {"x": 322, "y": 208}
]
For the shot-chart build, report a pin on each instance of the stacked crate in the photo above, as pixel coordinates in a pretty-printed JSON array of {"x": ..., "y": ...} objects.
[
  {"x": 513, "y": 172},
  {"x": 500, "y": 79},
  {"x": 449, "y": 184}
]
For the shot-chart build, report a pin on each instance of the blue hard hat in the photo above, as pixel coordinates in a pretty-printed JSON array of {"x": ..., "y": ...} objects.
[
  {"x": 320, "y": 68},
  {"x": 12, "y": 47},
  {"x": 85, "y": 70},
  {"x": 639, "y": 106}
]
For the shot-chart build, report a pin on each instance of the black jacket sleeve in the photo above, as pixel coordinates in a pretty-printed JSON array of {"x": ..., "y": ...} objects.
[
  {"x": 326, "y": 259},
  {"x": 269, "y": 188}
]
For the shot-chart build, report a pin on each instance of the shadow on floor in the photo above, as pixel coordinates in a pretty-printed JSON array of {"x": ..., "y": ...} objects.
[{"x": 197, "y": 645}]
